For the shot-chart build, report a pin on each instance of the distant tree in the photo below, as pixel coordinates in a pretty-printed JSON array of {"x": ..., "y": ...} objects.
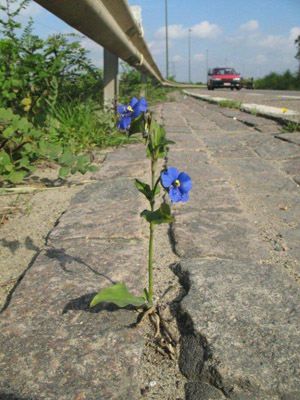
[{"x": 297, "y": 43}]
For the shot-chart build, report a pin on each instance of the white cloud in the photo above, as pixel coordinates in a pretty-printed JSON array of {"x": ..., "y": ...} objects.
[
  {"x": 206, "y": 30},
  {"x": 157, "y": 47},
  {"x": 248, "y": 35},
  {"x": 199, "y": 57},
  {"x": 203, "y": 30},
  {"x": 260, "y": 59},
  {"x": 249, "y": 26},
  {"x": 294, "y": 33},
  {"x": 177, "y": 58},
  {"x": 174, "y": 32},
  {"x": 89, "y": 44}
]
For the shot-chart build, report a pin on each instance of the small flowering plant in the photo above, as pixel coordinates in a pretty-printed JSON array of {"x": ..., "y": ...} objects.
[{"x": 135, "y": 118}]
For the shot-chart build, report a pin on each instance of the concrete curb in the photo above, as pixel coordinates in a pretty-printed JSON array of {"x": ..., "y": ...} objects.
[{"x": 258, "y": 109}]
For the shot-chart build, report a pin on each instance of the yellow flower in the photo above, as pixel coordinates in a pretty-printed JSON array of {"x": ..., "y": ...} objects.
[{"x": 284, "y": 110}]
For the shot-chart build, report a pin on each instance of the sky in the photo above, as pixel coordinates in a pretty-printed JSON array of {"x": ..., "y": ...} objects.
[{"x": 255, "y": 37}]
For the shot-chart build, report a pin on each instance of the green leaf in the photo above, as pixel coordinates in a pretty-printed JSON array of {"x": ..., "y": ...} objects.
[
  {"x": 26, "y": 101},
  {"x": 27, "y": 147},
  {"x": 137, "y": 125},
  {"x": 159, "y": 216},
  {"x": 4, "y": 158},
  {"x": 64, "y": 171},
  {"x": 119, "y": 295},
  {"x": 144, "y": 188},
  {"x": 16, "y": 177},
  {"x": 8, "y": 132},
  {"x": 93, "y": 168}
]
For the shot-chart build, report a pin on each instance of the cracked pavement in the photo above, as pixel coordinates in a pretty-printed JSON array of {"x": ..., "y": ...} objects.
[{"x": 237, "y": 239}]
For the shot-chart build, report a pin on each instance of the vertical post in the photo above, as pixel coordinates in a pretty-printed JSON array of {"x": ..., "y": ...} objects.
[
  {"x": 143, "y": 91},
  {"x": 110, "y": 79},
  {"x": 190, "y": 55},
  {"x": 167, "y": 44},
  {"x": 206, "y": 62}
]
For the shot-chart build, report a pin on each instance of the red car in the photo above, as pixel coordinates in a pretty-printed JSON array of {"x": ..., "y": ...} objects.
[{"x": 223, "y": 78}]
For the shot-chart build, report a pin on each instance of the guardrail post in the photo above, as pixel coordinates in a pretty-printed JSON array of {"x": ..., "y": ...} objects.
[
  {"x": 143, "y": 91},
  {"x": 110, "y": 79}
]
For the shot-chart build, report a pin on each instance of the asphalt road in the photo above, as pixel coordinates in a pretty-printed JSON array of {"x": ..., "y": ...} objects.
[{"x": 275, "y": 98}]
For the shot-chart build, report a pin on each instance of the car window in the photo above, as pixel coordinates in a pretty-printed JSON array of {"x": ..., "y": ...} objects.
[{"x": 224, "y": 71}]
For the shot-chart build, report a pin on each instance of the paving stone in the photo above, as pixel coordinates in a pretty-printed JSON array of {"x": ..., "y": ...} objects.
[
  {"x": 292, "y": 237},
  {"x": 297, "y": 179},
  {"x": 217, "y": 234},
  {"x": 290, "y": 137},
  {"x": 222, "y": 139},
  {"x": 179, "y": 129},
  {"x": 127, "y": 162},
  {"x": 278, "y": 150},
  {"x": 245, "y": 316},
  {"x": 233, "y": 152},
  {"x": 255, "y": 173},
  {"x": 228, "y": 124},
  {"x": 185, "y": 142},
  {"x": 291, "y": 167},
  {"x": 116, "y": 222},
  {"x": 214, "y": 196},
  {"x": 53, "y": 346}
]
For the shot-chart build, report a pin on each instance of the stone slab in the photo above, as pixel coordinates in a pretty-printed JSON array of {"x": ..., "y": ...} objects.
[
  {"x": 220, "y": 234},
  {"x": 291, "y": 167},
  {"x": 239, "y": 151},
  {"x": 52, "y": 346},
  {"x": 245, "y": 317},
  {"x": 290, "y": 137},
  {"x": 278, "y": 150},
  {"x": 199, "y": 167},
  {"x": 292, "y": 237},
  {"x": 107, "y": 209}
]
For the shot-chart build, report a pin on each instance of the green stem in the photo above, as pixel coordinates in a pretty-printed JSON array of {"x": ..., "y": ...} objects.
[
  {"x": 150, "y": 257},
  {"x": 150, "y": 266}
]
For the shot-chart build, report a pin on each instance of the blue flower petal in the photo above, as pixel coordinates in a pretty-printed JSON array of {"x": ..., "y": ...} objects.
[
  {"x": 175, "y": 194},
  {"x": 122, "y": 109},
  {"x": 124, "y": 122},
  {"x": 139, "y": 107},
  {"x": 133, "y": 102},
  {"x": 185, "y": 182},
  {"x": 184, "y": 197},
  {"x": 169, "y": 176}
]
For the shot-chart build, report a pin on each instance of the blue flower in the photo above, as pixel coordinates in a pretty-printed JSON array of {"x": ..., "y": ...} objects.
[
  {"x": 139, "y": 107},
  {"x": 178, "y": 184},
  {"x": 131, "y": 110}
]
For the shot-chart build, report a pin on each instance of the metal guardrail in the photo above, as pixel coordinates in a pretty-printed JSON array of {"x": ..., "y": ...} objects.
[{"x": 111, "y": 24}]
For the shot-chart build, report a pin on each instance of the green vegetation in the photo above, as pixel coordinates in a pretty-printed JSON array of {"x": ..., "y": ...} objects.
[
  {"x": 130, "y": 86},
  {"x": 230, "y": 104},
  {"x": 285, "y": 81},
  {"x": 50, "y": 101},
  {"x": 290, "y": 127}
]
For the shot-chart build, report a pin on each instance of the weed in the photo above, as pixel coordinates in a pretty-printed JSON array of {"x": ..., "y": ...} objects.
[
  {"x": 230, "y": 104},
  {"x": 291, "y": 127}
]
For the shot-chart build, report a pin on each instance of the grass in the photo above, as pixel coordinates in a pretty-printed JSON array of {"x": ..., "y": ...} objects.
[
  {"x": 230, "y": 104},
  {"x": 82, "y": 126},
  {"x": 154, "y": 94},
  {"x": 291, "y": 127},
  {"x": 254, "y": 111}
]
